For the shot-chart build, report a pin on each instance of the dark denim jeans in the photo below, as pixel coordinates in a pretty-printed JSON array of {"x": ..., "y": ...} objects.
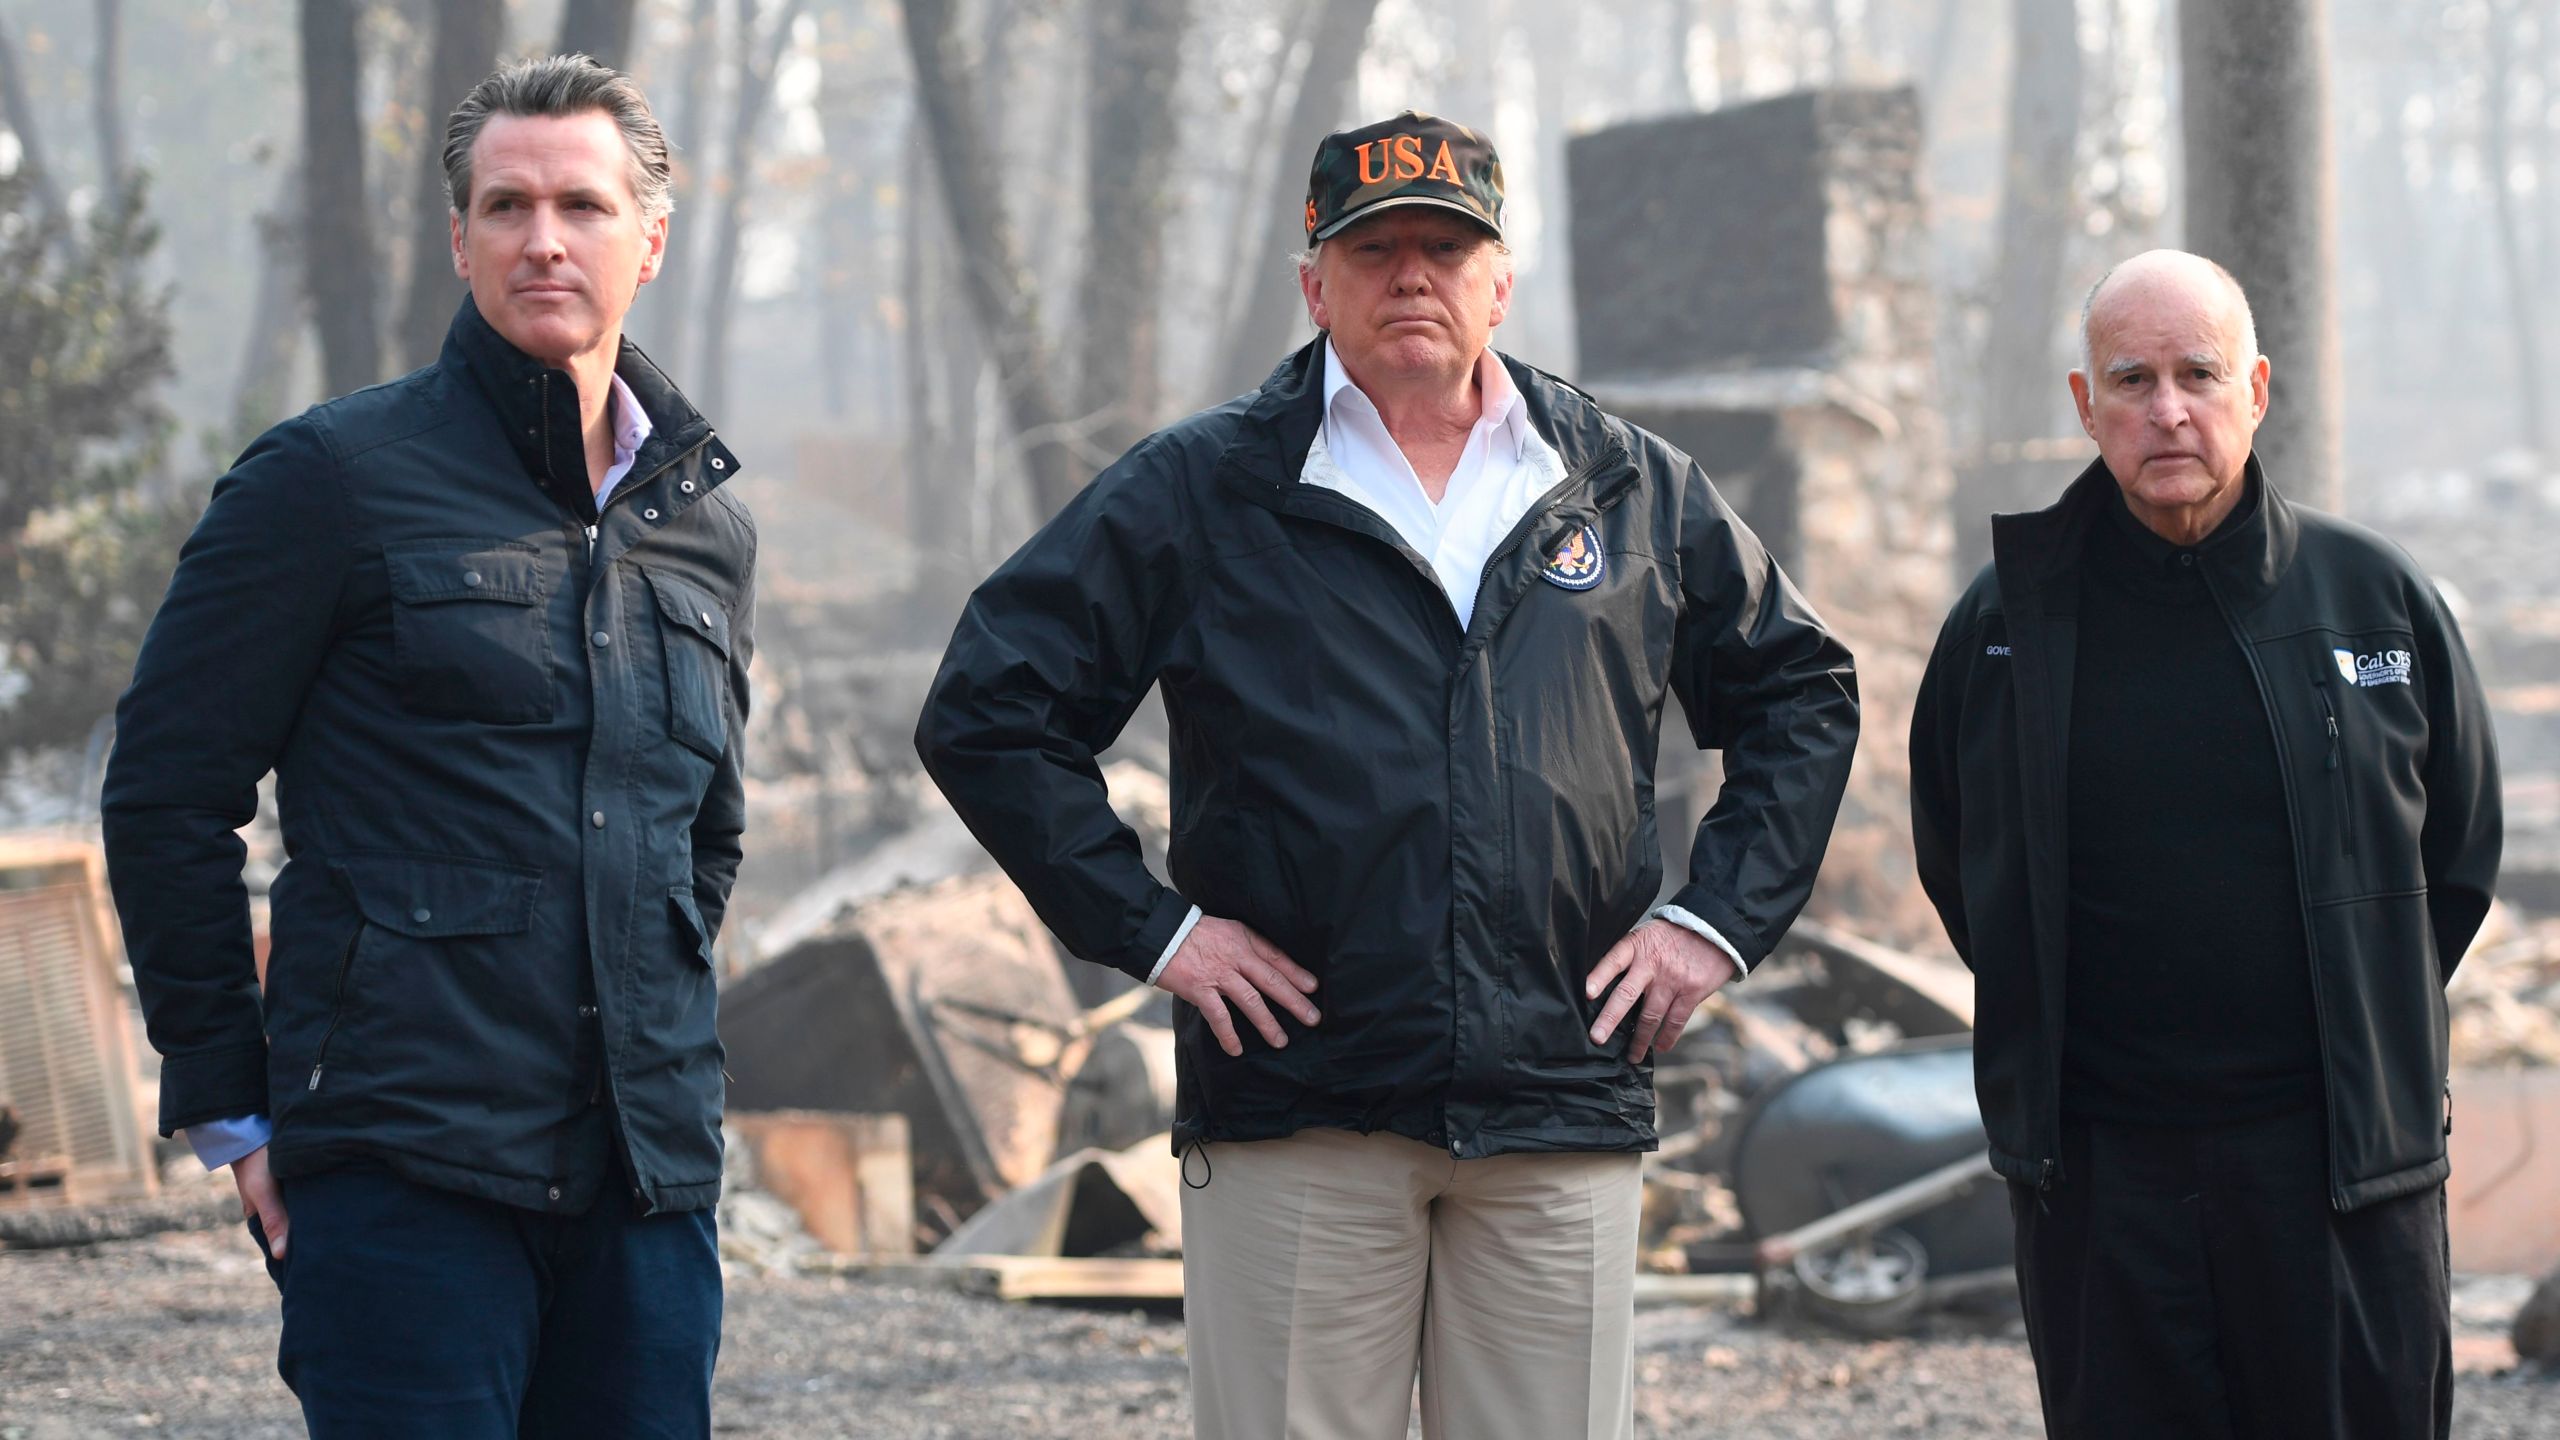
[{"x": 412, "y": 1311}]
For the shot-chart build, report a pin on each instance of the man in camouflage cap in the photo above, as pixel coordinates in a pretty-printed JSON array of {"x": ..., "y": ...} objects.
[{"x": 1415, "y": 609}]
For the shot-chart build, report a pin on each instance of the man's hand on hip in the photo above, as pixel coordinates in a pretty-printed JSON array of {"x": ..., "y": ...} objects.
[
  {"x": 1664, "y": 972},
  {"x": 1223, "y": 964},
  {"x": 260, "y": 1197}
]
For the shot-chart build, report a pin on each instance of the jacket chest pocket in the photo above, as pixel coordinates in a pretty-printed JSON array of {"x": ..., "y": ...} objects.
[
  {"x": 695, "y": 633},
  {"x": 469, "y": 635}
]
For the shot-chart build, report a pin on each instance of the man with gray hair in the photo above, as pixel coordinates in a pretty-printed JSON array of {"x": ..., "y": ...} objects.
[
  {"x": 488, "y": 625},
  {"x": 2204, "y": 789}
]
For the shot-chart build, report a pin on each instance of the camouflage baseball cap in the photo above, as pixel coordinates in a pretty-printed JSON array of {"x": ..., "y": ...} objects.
[{"x": 1414, "y": 159}]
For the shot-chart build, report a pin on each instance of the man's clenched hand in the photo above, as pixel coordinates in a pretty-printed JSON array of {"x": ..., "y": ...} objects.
[
  {"x": 1668, "y": 971},
  {"x": 1222, "y": 964}
]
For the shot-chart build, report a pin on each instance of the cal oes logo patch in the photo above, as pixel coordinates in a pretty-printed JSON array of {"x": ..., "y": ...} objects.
[{"x": 1578, "y": 563}]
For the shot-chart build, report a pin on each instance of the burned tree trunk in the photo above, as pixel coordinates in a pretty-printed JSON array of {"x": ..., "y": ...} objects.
[
  {"x": 597, "y": 28},
  {"x": 999, "y": 285},
  {"x": 1273, "y": 308},
  {"x": 2037, "y": 210},
  {"x": 2262, "y": 198},
  {"x": 666, "y": 308},
  {"x": 106, "y": 104},
  {"x": 278, "y": 313},
  {"x": 1135, "y": 52},
  {"x": 339, "y": 265},
  {"x": 2497, "y": 124},
  {"x": 2022, "y": 384},
  {"x": 753, "y": 91},
  {"x": 468, "y": 35}
]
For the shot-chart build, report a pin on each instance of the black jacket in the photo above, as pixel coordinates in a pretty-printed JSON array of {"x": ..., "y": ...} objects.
[
  {"x": 1449, "y": 829},
  {"x": 506, "y": 749},
  {"x": 2390, "y": 775}
]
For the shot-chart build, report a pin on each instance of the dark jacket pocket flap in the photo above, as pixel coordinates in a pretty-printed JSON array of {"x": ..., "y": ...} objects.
[
  {"x": 691, "y": 910},
  {"x": 424, "y": 571},
  {"x": 432, "y": 896},
  {"x": 692, "y": 608}
]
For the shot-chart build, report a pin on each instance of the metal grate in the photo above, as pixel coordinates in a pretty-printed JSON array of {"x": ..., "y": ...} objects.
[{"x": 52, "y": 1012}]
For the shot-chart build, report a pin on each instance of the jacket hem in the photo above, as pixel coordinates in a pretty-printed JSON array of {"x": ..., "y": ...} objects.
[
  {"x": 1600, "y": 1139},
  {"x": 2394, "y": 1185},
  {"x": 519, "y": 1192}
]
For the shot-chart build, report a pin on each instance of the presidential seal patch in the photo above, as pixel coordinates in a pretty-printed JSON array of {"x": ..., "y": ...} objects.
[{"x": 1578, "y": 563}]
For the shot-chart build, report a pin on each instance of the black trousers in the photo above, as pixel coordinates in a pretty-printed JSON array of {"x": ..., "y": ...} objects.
[
  {"x": 2194, "y": 1283},
  {"x": 416, "y": 1312}
]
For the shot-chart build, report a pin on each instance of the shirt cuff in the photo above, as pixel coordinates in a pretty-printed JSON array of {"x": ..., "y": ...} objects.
[
  {"x": 1700, "y": 928},
  {"x": 1181, "y": 933},
  {"x": 219, "y": 1142}
]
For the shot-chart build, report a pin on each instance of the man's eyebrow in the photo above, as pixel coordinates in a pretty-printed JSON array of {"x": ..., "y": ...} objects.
[
  {"x": 2123, "y": 365},
  {"x": 2202, "y": 359}
]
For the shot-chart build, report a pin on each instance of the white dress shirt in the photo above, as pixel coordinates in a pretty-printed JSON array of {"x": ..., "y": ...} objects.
[{"x": 1506, "y": 468}]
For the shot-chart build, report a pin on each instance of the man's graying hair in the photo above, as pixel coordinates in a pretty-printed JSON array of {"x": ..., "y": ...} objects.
[
  {"x": 2248, "y": 319},
  {"x": 562, "y": 85}
]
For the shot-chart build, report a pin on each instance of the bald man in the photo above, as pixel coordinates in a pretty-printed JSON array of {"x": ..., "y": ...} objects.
[{"x": 2203, "y": 788}]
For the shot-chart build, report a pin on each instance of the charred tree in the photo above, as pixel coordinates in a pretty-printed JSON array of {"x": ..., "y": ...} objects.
[
  {"x": 468, "y": 36},
  {"x": 1273, "y": 310},
  {"x": 597, "y": 28},
  {"x": 2038, "y": 208},
  {"x": 665, "y": 308},
  {"x": 1135, "y": 54},
  {"x": 752, "y": 89},
  {"x": 2497, "y": 124},
  {"x": 106, "y": 104},
  {"x": 998, "y": 283},
  {"x": 1243, "y": 238},
  {"x": 277, "y": 315},
  {"x": 2262, "y": 198},
  {"x": 340, "y": 270},
  {"x": 2022, "y": 386}
]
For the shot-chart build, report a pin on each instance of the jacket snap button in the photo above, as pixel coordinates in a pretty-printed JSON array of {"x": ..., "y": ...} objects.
[
  {"x": 648, "y": 514},
  {"x": 422, "y": 915},
  {"x": 719, "y": 464},
  {"x": 555, "y": 1192},
  {"x": 597, "y": 819},
  {"x": 706, "y": 619},
  {"x": 603, "y": 639},
  {"x": 471, "y": 578},
  {"x": 687, "y": 486}
]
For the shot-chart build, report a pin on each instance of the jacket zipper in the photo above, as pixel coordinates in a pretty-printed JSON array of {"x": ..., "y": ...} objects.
[
  {"x": 2337, "y": 771},
  {"x": 2301, "y": 869},
  {"x": 337, "y": 1004}
]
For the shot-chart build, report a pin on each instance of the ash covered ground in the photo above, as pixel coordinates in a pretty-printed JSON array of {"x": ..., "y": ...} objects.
[{"x": 174, "y": 1336}]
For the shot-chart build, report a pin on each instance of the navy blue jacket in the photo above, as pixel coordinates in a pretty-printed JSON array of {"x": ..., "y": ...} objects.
[{"x": 505, "y": 733}]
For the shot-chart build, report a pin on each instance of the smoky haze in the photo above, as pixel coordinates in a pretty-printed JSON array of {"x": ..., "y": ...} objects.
[{"x": 934, "y": 263}]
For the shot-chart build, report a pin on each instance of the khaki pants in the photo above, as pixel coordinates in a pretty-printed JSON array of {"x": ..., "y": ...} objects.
[{"x": 1319, "y": 1272}]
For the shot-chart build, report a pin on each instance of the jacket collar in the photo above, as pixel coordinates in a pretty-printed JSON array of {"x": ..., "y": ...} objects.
[
  {"x": 537, "y": 406},
  {"x": 2245, "y": 559},
  {"x": 1280, "y": 421}
]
